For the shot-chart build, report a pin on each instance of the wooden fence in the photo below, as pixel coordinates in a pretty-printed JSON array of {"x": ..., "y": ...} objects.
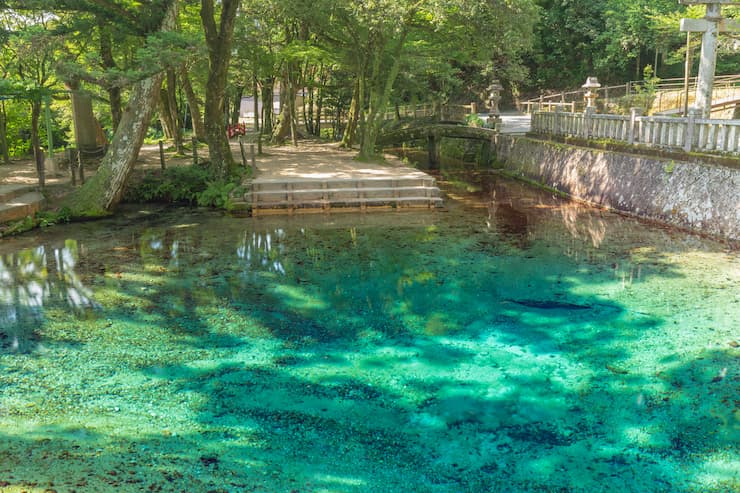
[
  {"x": 689, "y": 134},
  {"x": 668, "y": 94}
]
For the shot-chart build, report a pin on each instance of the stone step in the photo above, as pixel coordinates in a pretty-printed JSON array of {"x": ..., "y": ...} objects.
[
  {"x": 356, "y": 203},
  {"x": 12, "y": 190},
  {"x": 19, "y": 207},
  {"x": 296, "y": 194},
  {"x": 293, "y": 184},
  {"x": 341, "y": 194}
]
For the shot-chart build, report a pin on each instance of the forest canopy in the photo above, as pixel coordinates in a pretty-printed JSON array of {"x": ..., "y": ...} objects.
[{"x": 353, "y": 59}]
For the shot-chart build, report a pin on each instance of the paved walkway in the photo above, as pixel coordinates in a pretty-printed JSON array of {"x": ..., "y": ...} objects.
[
  {"x": 24, "y": 173},
  {"x": 516, "y": 123}
]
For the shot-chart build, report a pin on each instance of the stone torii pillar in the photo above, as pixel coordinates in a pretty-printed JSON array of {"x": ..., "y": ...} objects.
[{"x": 711, "y": 26}]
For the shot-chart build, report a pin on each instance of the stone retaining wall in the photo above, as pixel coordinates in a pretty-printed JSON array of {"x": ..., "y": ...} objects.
[{"x": 701, "y": 197}]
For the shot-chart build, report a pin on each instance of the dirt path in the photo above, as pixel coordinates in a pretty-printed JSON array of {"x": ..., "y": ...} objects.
[{"x": 315, "y": 159}]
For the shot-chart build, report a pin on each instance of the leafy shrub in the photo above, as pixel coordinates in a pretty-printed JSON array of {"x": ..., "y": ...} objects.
[
  {"x": 178, "y": 184},
  {"x": 474, "y": 121},
  {"x": 217, "y": 195}
]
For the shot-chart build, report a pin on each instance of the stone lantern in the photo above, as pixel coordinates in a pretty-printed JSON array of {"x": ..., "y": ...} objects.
[
  {"x": 592, "y": 83},
  {"x": 494, "y": 96}
]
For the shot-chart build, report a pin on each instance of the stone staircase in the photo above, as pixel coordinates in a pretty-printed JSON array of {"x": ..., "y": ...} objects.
[
  {"x": 317, "y": 195},
  {"x": 18, "y": 201}
]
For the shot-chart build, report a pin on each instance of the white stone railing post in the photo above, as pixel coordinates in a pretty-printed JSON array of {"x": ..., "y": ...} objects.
[
  {"x": 688, "y": 140},
  {"x": 631, "y": 133},
  {"x": 588, "y": 121}
]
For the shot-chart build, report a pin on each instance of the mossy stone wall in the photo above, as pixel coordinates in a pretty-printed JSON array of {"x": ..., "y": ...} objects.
[{"x": 701, "y": 197}]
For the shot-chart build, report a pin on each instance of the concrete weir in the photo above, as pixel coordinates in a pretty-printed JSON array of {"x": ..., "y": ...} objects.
[
  {"x": 692, "y": 195},
  {"x": 323, "y": 179}
]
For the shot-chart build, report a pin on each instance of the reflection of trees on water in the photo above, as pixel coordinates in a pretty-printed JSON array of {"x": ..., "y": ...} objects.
[
  {"x": 262, "y": 250},
  {"x": 33, "y": 279}
]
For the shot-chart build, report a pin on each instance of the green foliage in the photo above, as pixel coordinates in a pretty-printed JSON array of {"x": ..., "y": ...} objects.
[
  {"x": 41, "y": 219},
  {"x": 474, "y": 121},
  {"x": 49, "y": 218},
  {"x": 217, "y": 194},
  {"x": 644, "y": 94},
  {"x": 179, "y": 184},
  {"x": 183, "y": 185}
]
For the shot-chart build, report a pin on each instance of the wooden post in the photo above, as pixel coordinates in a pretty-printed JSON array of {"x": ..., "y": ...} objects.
[
  {"x": 252, "y": 158},
  {"x": 82, "y": 168},
  {"x": 259, "y": 143},
  {"x": 73, "y": 165},
  {"x": 195, "y": 151},
  {"x": 242, "y": 151},
  {"x": 161, "y": 155}
]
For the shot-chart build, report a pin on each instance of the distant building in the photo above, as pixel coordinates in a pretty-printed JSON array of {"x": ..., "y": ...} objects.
[{"x": 246, "y": 107}]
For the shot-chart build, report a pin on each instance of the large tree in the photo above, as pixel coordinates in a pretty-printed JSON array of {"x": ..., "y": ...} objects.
[
  {"x": 219, "y": 32},
  {"x": 103, "y": 191}
]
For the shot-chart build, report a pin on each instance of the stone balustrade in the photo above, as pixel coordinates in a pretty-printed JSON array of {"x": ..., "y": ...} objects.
[{"x": 689, "y": 134}]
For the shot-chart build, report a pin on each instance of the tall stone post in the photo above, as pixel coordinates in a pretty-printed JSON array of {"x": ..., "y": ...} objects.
[
  {"x": 710, "y": 26},
  {"x": 84, "y": 121}
]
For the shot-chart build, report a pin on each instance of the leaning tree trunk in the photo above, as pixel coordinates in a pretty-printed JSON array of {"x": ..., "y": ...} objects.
[{"x": 103, "y": 191}]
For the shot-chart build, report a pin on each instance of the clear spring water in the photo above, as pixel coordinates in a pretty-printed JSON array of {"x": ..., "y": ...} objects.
[{"x": 515, "y": 342}]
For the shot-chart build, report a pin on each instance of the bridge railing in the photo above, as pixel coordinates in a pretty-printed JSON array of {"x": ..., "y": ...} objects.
[
  {"x": 443, "y": 112},
  {"x": 688, "y": 134}
]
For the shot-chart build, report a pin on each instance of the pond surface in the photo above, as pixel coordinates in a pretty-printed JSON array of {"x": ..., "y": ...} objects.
[{"x": 515, "y": 342}]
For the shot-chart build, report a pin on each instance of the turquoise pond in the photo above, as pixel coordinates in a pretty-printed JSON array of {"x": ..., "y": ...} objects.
[{"x": 513, "y": 342}]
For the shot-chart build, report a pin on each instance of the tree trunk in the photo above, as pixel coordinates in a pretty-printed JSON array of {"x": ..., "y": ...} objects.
[
  {"x": 165, "y": 116},
  {"x": 219, "y": 40},
  {"x": 256, "y": 107},
  {"x": 267, "y": 107},
  {"x": 174, "y": 114},
  {"x": 380, "y": 94},
  {"x": 286, "y": 120},
  {"x": 103, "y": 191},
  {"x": 199, "y": 131},
  {"x": 236, "y": 105},
  {"x": 320, "y": 102},
  {"x": 38, "y": 153},
  {"x": 108, "y": 62},
  {"x": 292, "y": 113},
  {"x": 353, "y": 117},
  {"x": 4, "y": 134}
]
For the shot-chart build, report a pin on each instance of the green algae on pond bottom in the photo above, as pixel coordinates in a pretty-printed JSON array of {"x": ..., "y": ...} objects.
[{"x": 518, "y": 344}]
